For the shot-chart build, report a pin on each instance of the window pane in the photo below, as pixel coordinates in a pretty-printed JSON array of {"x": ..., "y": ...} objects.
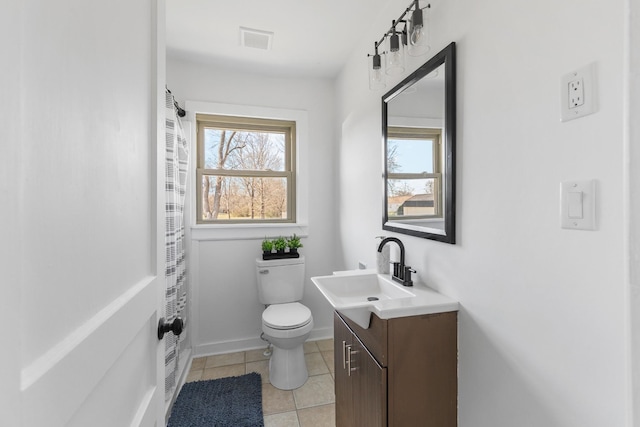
[
  {"x": 248, "y": 150},
  {"x": 411, "y": 197},
  {"x": 245, "y": 198},
  {"x": 410, "y": 155}
]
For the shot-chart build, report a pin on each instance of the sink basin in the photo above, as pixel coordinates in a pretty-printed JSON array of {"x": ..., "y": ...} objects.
[
  {"x": 359, "y": 293},
  {"x": 354, "y": 294}
]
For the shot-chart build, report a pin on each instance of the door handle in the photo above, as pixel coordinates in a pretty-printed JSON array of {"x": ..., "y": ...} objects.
[
  {"x": 176, "y": 327},
  {"x": 349, "y": 360},
  {"x": 344, "y": 355}
]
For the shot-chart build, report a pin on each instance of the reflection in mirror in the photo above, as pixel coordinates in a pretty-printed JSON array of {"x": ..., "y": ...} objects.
[{"x": 418, "y": 132}]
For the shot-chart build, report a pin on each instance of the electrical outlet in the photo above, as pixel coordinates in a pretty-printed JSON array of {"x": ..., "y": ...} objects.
[{"x": 577, "y": 93}]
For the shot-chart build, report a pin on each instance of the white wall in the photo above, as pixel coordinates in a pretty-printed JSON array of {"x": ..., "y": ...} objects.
[
  {"x": 225, "y": 307},
  {"x": 542, "y": 326}
]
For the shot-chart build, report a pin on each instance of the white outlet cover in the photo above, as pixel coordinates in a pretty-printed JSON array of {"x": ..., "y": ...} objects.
[{"x": 586, "y": 76}]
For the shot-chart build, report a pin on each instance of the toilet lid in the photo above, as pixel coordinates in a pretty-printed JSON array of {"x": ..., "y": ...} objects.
[{"x": 286, "y": 316}]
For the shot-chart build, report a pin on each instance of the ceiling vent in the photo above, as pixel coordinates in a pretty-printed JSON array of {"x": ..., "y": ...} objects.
[{"x": 256, "y": 39}]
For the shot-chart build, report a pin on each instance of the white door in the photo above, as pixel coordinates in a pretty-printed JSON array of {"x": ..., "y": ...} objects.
[{"x": 86, "y": 201}]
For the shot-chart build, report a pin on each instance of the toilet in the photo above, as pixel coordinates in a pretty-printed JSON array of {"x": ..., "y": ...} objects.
[{"x": 286, "y": 323}]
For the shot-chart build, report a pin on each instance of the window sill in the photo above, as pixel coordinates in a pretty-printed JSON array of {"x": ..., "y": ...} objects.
[{"x": 221, "y": 232}]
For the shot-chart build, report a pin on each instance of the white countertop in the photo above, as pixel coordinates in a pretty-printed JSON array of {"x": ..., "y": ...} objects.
[{"x": 349, "y": 297}]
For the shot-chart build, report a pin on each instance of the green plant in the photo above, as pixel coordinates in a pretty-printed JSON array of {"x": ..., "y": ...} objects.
[
  {"x": 280, "y": 244},
  {"x": 267, "y": 245},
  {"x": 294, "y": 242}
]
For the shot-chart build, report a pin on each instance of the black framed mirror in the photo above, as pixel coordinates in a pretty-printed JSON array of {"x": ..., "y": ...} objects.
[{"x": 419, "y": 138}]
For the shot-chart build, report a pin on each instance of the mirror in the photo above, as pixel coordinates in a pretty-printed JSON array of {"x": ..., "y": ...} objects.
[{"x": 418, "y": 132}]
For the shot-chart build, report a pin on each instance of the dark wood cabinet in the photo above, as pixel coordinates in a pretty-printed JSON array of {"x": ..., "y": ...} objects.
[
  {"x": 360, "y": 381},
  {"x": 399, "y": 372}
]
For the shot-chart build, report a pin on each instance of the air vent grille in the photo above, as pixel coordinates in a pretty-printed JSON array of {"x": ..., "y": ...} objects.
[{"x": 256, "y": 39}]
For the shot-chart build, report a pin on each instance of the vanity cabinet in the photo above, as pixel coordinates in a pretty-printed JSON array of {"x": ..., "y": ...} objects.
[{"x": 400, "y": 372}]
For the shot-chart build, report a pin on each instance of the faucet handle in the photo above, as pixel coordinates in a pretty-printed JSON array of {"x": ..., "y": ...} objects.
[{"x": 407, "y": 276}]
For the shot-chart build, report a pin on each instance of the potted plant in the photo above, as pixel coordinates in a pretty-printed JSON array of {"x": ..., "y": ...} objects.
[
  {"x": 267, "y": 247},
  {"x": 280, "y": 244},
  {"x": 294, "y": 243}
]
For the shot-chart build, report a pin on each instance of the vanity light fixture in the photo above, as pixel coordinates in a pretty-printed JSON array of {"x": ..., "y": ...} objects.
[
  {"x": 412, "y": 33},
  {"x": 376, "y": 70},
  {"x": 395, "y": 52}
]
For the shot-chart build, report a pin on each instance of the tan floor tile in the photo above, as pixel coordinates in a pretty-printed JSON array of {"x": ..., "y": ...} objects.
[
  {"x": 194, "y": 375},
  {"x": 275, "y": 401},
  {"x": 318, "y": 390},
  {"x": 224, "y": 360},
  {"x": 285, "y": 419},
  {"x": 223, "y": 371},
  {"x": 318, "y": 416},
  {"x": 310, "y": 347},
  {"x": 315, "y": 364},
  {"x": 325, "y": 345},
  {"x": 198, "y": 363},
  {"x": 329, "y": 360},
  {"x": 255, "y": 355},
  {"x": 261, "y": 367}
]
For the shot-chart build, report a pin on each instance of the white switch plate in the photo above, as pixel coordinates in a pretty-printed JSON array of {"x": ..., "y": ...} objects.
[
  {"x": 578, "y": 205},
  {"x": 577, "y": 93}
]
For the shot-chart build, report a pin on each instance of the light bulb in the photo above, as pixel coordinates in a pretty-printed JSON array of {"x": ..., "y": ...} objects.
[
  {"x": 417, "y": 34},
  {"x": 418, "y": 38}
]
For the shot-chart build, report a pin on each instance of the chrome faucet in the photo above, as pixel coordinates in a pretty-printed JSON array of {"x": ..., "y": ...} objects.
[{"x": 401, "y": 272}]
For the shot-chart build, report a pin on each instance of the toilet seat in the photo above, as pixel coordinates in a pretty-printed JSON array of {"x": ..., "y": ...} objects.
[{"x": 286, "y": 316}]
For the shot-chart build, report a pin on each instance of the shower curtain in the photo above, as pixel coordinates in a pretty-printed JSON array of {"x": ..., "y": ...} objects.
[{"x": 177, "y": 159}]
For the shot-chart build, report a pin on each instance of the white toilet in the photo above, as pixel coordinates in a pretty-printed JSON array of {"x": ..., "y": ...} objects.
[{"x": 285, "y": 322}]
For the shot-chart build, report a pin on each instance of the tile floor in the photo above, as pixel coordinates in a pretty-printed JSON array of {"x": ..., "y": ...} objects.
[{"x": 312, "y": 405}]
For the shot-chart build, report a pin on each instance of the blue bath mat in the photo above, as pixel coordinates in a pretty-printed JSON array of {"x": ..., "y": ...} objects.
[{"x": 225, "y": 402}]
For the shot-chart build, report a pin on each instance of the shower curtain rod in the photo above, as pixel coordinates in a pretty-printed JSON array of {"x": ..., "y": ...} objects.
[{"x": 181, "y": 112}]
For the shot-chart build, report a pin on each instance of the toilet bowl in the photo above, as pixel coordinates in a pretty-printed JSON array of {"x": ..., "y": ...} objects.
[
  {"x": 287, "y": 327},
  {"x": 286, "y": 323}
]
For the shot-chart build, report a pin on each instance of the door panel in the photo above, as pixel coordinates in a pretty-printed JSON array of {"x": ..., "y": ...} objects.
[
  {"x": 342, "y": 337},
  {"x": 370, "y": 388},
  {"x": 83, "y": 367},
  {"x": 91, "y": 202}
]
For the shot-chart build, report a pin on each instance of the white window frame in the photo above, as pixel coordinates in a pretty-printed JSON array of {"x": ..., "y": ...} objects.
[{"x": 224, "y": 231}]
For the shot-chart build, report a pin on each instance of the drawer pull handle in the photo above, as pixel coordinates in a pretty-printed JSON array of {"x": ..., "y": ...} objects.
[
  {"x": 349, "y": 361},
  {"x": 344, "y": 355}
]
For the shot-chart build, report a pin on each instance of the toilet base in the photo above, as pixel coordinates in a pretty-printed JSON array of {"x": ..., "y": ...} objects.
[{"x": 287, "y": 368}]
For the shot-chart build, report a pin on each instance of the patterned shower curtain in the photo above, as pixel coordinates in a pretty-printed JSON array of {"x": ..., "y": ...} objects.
[{"x": 177, "y": 159}]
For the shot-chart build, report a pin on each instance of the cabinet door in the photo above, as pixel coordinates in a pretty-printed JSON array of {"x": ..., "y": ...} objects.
[
  {"x": 369, "y": 383},
  {"x": 343, "y": 339}
]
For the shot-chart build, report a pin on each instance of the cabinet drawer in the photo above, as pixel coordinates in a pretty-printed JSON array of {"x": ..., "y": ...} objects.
[{"x": 375, "y": 338}]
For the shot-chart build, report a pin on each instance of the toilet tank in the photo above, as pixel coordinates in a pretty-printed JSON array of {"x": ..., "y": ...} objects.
[{"x": 280, "y": 280}]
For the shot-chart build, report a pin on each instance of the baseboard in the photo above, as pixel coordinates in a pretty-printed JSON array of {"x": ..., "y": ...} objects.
[{"x": 250, "y": 343}]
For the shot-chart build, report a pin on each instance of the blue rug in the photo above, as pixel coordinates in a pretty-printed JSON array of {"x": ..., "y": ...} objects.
[{"x": 225, "y": 402}]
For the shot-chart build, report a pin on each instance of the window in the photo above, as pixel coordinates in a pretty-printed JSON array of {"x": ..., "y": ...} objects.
[
  {"x": 414, "y": 173},
  {"x": 246, "y": 167}
]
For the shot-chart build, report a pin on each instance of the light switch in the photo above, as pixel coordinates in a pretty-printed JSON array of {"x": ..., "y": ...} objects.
[
  {"x": 574, "y": 200},
  {"x": 578, "y": 205}
]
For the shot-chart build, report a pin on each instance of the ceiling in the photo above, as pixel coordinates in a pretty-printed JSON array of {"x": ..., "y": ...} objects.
[{"x": 311, "y": 37}]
